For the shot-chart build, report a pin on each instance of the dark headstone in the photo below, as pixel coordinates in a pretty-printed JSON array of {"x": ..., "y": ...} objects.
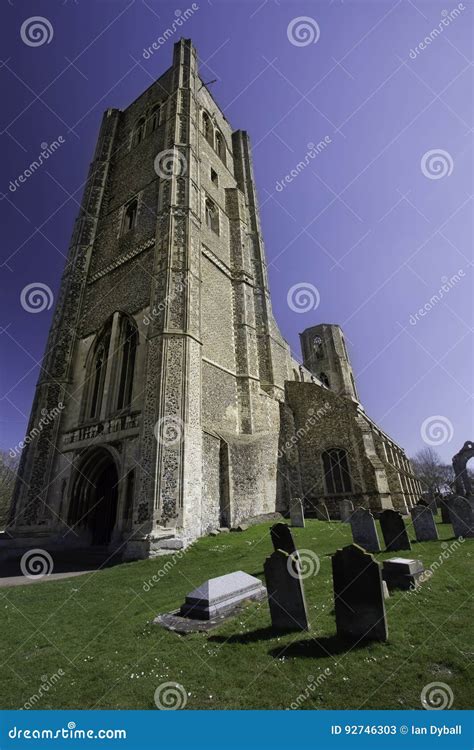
[
  {"x": 282, "y": 538},
  {"x": 445, "y": 517},
  {"x": 285, "y": 592},
  {"x": 400, "y": 573},
  {"x": 461, "y": 513},
  {"x": 394, "y": 531},
  {"x": 423, "y": 523},
  {"x": 364, "y": 531},
  {"x": 297, "y": 512},
  {"x": 358, "y": 595},
  {"x": 346, "y": 507},
  {"x": 321, "y": 512}
]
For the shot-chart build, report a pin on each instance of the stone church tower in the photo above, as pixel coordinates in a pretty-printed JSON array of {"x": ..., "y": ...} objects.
[{"x": 166, "y": 371}]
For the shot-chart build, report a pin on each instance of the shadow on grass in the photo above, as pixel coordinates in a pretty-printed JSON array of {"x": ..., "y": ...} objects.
[
  {"x": 315, "y": 648},
  {"x": 262, "y": 634}
]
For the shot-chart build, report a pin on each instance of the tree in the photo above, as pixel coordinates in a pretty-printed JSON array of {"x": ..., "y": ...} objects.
[
  {"x": 435, "y": 476},
  {"x": 8, "y": 471}
]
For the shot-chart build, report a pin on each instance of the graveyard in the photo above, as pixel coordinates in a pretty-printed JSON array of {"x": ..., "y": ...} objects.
[{"x": 95, "y": 632}]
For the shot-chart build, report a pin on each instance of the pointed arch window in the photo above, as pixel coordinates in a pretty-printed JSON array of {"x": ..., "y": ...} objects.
[
  {"x": 212, "y": 216},
  {"x": 318, "y": 347},
  {"x": 324, "y": 379},
  {"x": 96, "y": 376},
  {"x": 127, "y": 355},
  {"x": 207, "y": 128},
  {"x": 139, "y": 131},
  {"x": 154, "y": 118},
  {"x": 337, "y": 475},
  {"x": 220, "y": 146}
]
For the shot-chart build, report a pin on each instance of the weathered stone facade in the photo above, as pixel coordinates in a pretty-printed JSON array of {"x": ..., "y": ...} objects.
[{"x": 183, "y": 407}]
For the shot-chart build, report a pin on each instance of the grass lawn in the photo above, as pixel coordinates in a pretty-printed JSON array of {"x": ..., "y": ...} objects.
[{"x": 97, "y": 629}]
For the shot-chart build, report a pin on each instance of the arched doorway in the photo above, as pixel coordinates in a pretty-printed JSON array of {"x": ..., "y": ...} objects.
[{"x": 94, "y": 497}]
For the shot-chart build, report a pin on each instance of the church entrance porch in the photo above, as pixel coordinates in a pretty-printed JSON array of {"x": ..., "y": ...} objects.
[{"x": 94, "y": 497}]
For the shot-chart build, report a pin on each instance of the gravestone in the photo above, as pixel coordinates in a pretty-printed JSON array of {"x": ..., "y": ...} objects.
[
  {"x": 445, "y": 517},
  {"x": 219, "y": 596},
  {"x": 394, "y": 531},
  {"x": 321, "y": 512},
  {"x": 364, "y": 531},
  {"x": 461, "y": 512},
  {"x": 358, "y": 595},
  {"x": 433, "y": 506},
  {"x": 297, "y": 512},
  {"x": 346, "y": 507},
  {"x": 282, "y": 538},
  {"x": 401, "y": 573},
  {"x": 285, "y": 592},
  {"x": 423, "y": 523}
]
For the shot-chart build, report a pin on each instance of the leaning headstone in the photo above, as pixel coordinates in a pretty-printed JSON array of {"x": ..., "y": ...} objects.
[
  {"x": 461, "y": 513},
  {"x": 401, "y": 573},
  {"x": 346, "y": 507},
  {"x": 297, "y": 512},
  {"x": 433, "y": 506},
  {"x": 364, "y": 531},
  {"x": 219, "y": 596},
  {"x": 282, "y": 538},
  {"x": 423, "y": 523},
  {"x": 445, "y": 517},
  {"x": 394, "y": 531},
  {"x": 285, "y": 592},
  {"x": 321, "y": 512},
  {"x": 358, "y": 595}
]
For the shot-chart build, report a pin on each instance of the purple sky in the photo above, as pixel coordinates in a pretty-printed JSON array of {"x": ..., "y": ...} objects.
[{"x": 369, "y": 223}]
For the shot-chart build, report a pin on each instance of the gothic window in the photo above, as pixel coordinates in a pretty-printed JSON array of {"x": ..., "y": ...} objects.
[
  {"x": 163, "y": 111},
  {"x": 96, "y": 375},
  {"x": 130, "y": 216},
  {"x": 154, "y": 118},
  {"x": 220, "y": 146},
  {"x": 324, "y": 379},
  {"x": 139, "y": 132},
  {"x": 318, "y": 347},
  {"x": 207, "y": 128},
  {"x": 212, "y": 216},
  {"x": 126, "y": 354},
  {"x": 337, "y": 475},
  {"x": 214, "y": 177}
]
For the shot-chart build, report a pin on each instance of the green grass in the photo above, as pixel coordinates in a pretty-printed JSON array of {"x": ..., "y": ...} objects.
[{"x": 97, "y": 629}]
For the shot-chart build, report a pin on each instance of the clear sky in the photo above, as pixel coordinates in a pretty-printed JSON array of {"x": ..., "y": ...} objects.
[{"x": 378, "y": 219}]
